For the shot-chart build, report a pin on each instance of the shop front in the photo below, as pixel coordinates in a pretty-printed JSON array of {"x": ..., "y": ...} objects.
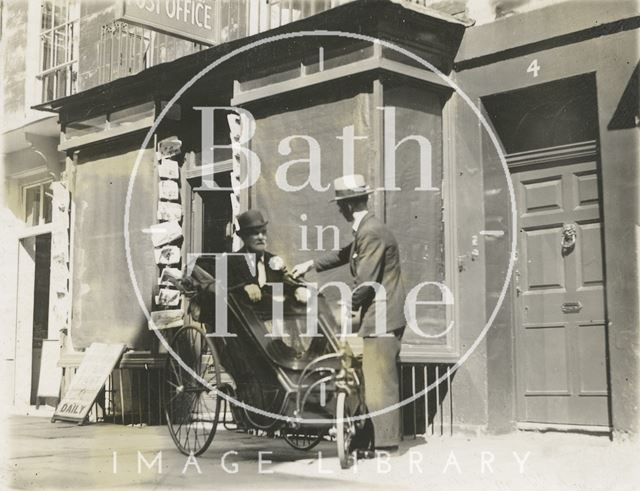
[{"x": 546, "y": 350}]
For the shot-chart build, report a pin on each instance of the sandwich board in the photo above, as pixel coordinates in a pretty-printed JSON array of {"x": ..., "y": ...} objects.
[{"x": 98, "y": 362}]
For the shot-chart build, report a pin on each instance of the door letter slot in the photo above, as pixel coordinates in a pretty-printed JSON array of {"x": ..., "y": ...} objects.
[{"x": 571, "y": 307}]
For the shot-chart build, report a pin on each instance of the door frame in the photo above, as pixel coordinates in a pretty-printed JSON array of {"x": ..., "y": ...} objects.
[
  {"x": 551, "y": 157},
  {"x": 23, "y": 327}
]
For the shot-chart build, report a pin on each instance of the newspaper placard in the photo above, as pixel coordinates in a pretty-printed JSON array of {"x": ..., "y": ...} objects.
[{"x": 98, "y": 362}]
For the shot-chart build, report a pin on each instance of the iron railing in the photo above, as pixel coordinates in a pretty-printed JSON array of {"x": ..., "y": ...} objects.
[
  {"x": 127, "y": 49},
  {"x": 428, "y": 389}
]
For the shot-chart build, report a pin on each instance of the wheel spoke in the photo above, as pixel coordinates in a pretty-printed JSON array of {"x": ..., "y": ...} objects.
[
  {"x": 172, "y": 384},
  {"x": 176, "y": 395},
  {"x": 204, "y": 404},
  {"x": 186, "y": 443},
  {"x": 173, "y": 367},
  {"x": 179, "y": 431}
]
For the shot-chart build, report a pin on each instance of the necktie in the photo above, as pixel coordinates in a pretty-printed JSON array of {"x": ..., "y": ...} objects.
[{"x": 262, "y": 272}]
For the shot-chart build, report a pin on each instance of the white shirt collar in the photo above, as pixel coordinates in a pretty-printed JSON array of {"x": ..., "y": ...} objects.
[
  {"x": 253, "y": 259},
  {"x": 357, "y": 218}
]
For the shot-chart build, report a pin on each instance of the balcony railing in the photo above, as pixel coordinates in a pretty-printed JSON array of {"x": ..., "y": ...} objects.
[
  {"x": 127, "y": 49},
  {"x": 242, "y": 18}
]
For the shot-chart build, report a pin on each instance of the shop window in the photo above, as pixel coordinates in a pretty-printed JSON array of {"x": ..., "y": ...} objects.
[
  {"x": 59, "y": 48},
  {"x": 216, "y": 217},
  {"x": 37, "y": 203}
]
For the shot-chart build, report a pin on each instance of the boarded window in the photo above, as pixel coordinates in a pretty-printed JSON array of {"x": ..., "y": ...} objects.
[
  {"x": 301, "y": 221},
  {"x": 105, "y": 308}
]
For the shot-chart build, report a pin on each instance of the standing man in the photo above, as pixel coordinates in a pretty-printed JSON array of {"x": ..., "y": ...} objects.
[{"x": 373, "y": 256}]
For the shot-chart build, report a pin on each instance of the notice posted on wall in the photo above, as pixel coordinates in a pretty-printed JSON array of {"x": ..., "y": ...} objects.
[{"x": 98, "y": 362}]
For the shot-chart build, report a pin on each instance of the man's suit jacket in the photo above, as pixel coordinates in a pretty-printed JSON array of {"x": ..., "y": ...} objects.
[{"x": 372, "y": 256}]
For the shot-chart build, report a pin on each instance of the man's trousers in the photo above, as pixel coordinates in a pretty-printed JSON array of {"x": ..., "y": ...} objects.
[{"x": 382, "y": 386}]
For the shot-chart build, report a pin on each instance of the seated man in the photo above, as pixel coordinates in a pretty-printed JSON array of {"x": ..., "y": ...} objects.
[
  {"x": 260, "y": 267},
  {"x": 251, "y": 271}
]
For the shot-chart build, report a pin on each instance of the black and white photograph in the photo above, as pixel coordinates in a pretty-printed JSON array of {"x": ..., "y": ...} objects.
[{"x": 320, "y": 244}]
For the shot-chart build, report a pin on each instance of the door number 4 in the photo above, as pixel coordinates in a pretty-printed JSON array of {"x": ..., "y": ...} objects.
[{"x": 534, "y": 67}]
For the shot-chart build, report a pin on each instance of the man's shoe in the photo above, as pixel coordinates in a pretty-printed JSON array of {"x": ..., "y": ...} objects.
[
  {"x": 366, "y": 454},
  {"x": 392, "y": 449}
]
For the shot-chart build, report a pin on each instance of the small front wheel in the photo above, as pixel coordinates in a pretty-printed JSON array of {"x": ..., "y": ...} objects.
[
  {"x": 346, "y": 429},
  {"x": 192, "y": 408}
]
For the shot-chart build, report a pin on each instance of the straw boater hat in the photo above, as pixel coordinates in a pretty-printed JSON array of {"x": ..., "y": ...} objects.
[
  {"x": 350, "y": 186},
  {"x": 249, "y": 220}
]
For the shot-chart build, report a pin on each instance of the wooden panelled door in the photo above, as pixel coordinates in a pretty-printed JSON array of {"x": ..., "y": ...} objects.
[{"x": 561, "y": 324}]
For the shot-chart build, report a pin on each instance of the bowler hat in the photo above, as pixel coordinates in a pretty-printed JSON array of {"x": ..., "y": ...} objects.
[
  {"x": 350, "y": 186},
  {"x": 250, "y": 219}
]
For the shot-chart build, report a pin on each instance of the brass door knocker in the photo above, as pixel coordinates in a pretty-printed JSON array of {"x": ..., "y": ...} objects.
[{"x": 569, "y": 233}]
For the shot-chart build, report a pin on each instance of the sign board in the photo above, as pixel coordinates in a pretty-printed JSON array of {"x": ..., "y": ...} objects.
[
  {"x": 98, "y": 362},
  {"x": 50, "y": 372},
  {"x": 190, "y": 19}
]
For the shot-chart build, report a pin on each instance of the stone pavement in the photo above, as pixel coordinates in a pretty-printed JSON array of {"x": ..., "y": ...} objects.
[{"x": 46, "y": 455}]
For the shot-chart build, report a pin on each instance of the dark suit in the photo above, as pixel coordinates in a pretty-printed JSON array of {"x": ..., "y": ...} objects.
[
  {"x": 374, "y": 256},
  {"x": 239, "y": 273}
]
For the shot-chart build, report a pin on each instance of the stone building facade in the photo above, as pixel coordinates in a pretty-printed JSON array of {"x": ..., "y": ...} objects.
[{"x": 561, "y": 96}]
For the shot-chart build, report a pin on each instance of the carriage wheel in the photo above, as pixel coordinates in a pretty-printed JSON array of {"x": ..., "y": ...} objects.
[
  {"x": 301, "y": 439},
  {"x": 346, "y": 428},
  {"x": 192, "y": 409}
]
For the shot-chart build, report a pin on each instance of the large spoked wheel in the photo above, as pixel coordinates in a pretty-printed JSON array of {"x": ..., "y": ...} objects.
[
  {"x": 192, "y": 408},
  {"x": 346, "y": 429},
  {"x": 301, "y": 439}
]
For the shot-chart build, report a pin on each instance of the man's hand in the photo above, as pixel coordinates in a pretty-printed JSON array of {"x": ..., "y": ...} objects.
[
  {"x": 302, "y": 268},
  {"x": 301, "y": 294},
  {"x": 254, "y": 292},
  {"x": 185, "y": 285},
  {"x": 346, "y": 312}
]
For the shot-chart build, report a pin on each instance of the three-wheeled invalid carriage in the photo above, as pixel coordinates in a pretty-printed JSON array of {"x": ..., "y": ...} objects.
[{"x": 274, "y": 377}]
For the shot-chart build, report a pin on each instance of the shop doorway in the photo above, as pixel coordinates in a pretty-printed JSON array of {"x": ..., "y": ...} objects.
[
  {"x": 34, "y": 266},
  {"x": 211, "y": 216},
  {"x": 550, "y": 134}
]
